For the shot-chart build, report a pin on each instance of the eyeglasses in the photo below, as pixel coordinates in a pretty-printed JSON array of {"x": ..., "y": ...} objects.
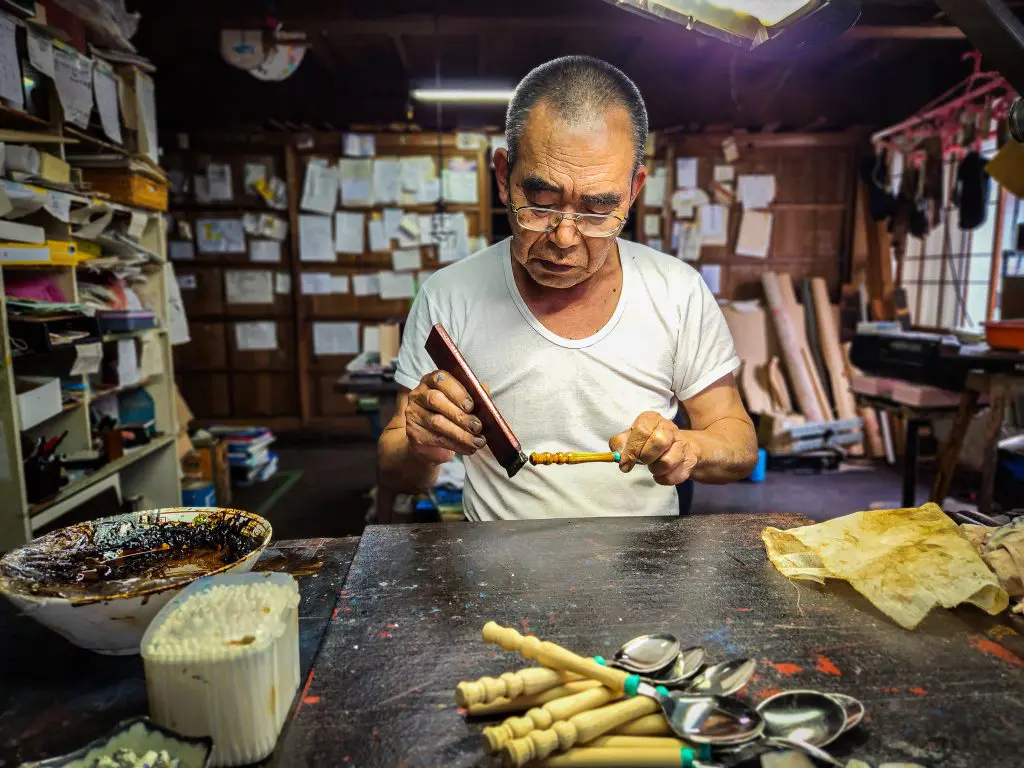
[{"x": 548, "y": 220}]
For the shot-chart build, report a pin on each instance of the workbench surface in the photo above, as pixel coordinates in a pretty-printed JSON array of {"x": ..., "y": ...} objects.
[{"x": 403, "y": 627}]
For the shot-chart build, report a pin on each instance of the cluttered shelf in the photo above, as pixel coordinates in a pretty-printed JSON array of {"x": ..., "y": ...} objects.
[
  {"x": 9, "y": 113},
  {"x": 105, "y": 393},
  {"x": 131, "y": 455},
  {"x": 106, "y": 146}
]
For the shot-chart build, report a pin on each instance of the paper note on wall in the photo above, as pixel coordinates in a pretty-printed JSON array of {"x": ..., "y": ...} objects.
[
  {"x": 688, "y": 241},
  {"x": 712, "y": 274},
  {"x": 255, "y": 337},
  {"x": 218, "y": 182},
  {"x": 366, "y": 285},
  {"x": 73, "y": 76},
  {"x": 386, "y": 180},
  {"x": 356, "y": 188},
  {"x": 245, "y": 286},
  {"x": 358, "y": 144},
  {"x": 686, "y": 172},
  {"x": 371, "y": 338},
  {"x": 315, "y": 240},
  {"x": 652, "y": 224},
  {"x": 181, "y": 250},
  {"x": 730, "y": 150},
  {"x": 319, "y": 188},
  {"x": 220, "y": 236},
  {"x": 336, "y": 338},
  {"x": 725, "y": 173},
  {"x": 349, "y": 235},
  {"x": 282, "y": 283},
  {"x": 104, "y": 87},
  {"x": 413, "y": 171},
  {"x": 339, "y": 284},
  {"x": 406, "y": 259},
  {"x": 756, "y": 190},
  {"x": 58, "y": 204},
  {"x": 378, "y": 238},
  {"x": 315, "y": 283},
  {"x": 392, "y": 222},
  {"x": 268, "y": 251},
  {"x": 460, "y": 181},
  {"x": 40, "y": 51},
  {"x": 253, "y": 173},
  {"x": 10, "y": 68},
  {"x": 397, "y": 285},
  {"x": 87, "y": 359},
  {"x": 187, "y": 282},
  {"x": 423, "y": 276},
  {"x": 714, "y": 224},
  {"x": 657, "y": 244},
  {"x": 755, "y": 234},
  {"x": 654, "y": 189}
]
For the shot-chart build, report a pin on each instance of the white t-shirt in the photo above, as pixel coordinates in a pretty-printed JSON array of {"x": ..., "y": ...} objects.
[{"x": 666, "y": 342}]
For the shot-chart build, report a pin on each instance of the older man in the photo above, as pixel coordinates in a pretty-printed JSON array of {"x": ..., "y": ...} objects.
[{"x": 582, "y": 338}]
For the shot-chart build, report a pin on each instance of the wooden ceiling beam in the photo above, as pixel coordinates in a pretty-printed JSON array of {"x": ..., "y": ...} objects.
[{"x": 905, "y": 32}]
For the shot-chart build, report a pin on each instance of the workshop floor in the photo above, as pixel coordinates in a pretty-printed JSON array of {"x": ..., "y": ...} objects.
[{"x": 321, "y": 490}]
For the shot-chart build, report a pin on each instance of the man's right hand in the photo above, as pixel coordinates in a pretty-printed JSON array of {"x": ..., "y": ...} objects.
[{"x": 438, "y": 422}]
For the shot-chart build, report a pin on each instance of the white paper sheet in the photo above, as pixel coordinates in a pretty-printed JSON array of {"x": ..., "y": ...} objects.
[
  {"x": 725, "y": 173},
  {"x": 58, "y": 204},
  {"x": 336, "y": 338},
  {"x": 127, "y": 363},
  {"x": 220, "y": 236},
  {"x": 73, "y": 75},
  {"x": 315, "y": 240},
  {"x": 371, "y": 338},
  {"x": 218, "y": 182},
  {"x": 40, "y": 51},
  {"x": 320, "y": 188},
  {"x": 181, "y": 250},
  {"x": 460, "y": 181},
  {"x": 253, "y": 172},
  {"x": 406, "y": 259},
  {"x": 756, "y": 190},
  {"x": 187, "y": 282},
  {"x": 366, "y": 285},
  {"x": 687, "y": 241},
  {"x": 686, "y": 172},
  {"x": 10, "y": 66},
  {"x": 654, "y": 189},
  {"x": 397, "y": 285},
  {"x": 104, "y": 87},
  {"x": 429, "y": 191},
  {"x": 413, "y": 170},
  {"x": 315, "y": 283},
  {"x": 379, "y": 241},
  {"x": 87, "y": 360},
  {"x": 730, "y": 151},
  {"x": 258, "y": 336},
  {"x": 267, "y": 251},
  {"x": 339, "y": 284},
  {"x": 359, "y": 145},
  {"x": 177, "y": 323},
  {"x": 349, "y": 234},
  {"x": 145, "y": 92},
  {"x": 386, "y": 180},
  {"x": 422, "y": 276},
  {"x": 392, "y": 222},
  {"x": 714, "y": 224},
  {"x": 712, "y": 274},
  {"x": 137, "y": 224},
  {"x": 449, "y": 232},
  {"x": 755, "y": 234},
  {"x": 247, "y": 286},
  {"x": 652, "y": 224},
  {"x": 356, "y": 188},
  {"x": 282, "y": 283}
]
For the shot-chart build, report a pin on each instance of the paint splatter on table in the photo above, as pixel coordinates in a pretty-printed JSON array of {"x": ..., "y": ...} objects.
[
  {"x": 55, "y": 697},
  {"x": 416, "y": 597}
]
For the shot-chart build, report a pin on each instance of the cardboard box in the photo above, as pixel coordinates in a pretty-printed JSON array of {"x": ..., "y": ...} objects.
[
  {"x": 52, "y": 168},
  {"x": 183, "y": 416},
  {"x": 38, "y": 399},
  {"x": 209, "y": 463}
]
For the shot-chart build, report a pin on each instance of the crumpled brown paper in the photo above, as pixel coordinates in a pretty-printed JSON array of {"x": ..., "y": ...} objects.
[
  {"x": 1002, "y": 549},
  {"x": 905, "y": 561}
]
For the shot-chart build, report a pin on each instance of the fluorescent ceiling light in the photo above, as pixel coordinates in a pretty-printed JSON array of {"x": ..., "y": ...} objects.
[{"x": 468, "y": 95}]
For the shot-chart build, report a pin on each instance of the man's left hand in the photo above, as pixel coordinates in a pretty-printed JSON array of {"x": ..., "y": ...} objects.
[{"x": 669, "y": 452}]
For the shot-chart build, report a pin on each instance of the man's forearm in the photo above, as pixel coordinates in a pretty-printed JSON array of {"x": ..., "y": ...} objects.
[
  {"x": 400, "y": 470},
  {"x": 728, "y": 451}
]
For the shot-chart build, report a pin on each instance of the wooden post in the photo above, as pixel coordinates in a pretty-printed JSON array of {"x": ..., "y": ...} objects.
[
  {"x": 997, "y": 255},
  {"x": 846, "y": 406},
  {"x": 879, "y": 257},
  {"x": 293, "y": 180}
]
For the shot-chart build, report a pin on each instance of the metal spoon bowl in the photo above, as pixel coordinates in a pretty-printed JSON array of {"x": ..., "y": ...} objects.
[
  {"x": 717, "y": 720},
  {"x": 687, "y": 664},
  {"x": 722, "y": 679},
  {"x": 854, "y": 709},
  {"x": 647, "y": 654}
]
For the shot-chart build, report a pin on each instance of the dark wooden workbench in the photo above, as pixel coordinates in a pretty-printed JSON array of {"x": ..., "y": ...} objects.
[
  {"x": 407, "y": 631},
  {"x": 55, "y": 697},
  {"x": 406, "y": 627}
]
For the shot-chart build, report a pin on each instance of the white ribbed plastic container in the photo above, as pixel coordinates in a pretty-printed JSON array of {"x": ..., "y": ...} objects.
[{"x": 237, "y": 693}]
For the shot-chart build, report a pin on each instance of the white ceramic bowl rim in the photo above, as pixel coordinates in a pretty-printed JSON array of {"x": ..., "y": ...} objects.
[{"x": 258, "y": 526}]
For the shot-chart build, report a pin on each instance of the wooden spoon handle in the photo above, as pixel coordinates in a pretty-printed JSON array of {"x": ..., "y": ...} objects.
[
  {"x": 579, "y": 729},
  {"x": 554, "y": 656},
  {"x": 522, "y": 703},
  {"x": 544, "y": 717},
  {"x": 638, "y": 742},
  {"x": 509, "y": 685},
  {"x": 617, "y": 757},
  {"x": 652, "y": 725}
]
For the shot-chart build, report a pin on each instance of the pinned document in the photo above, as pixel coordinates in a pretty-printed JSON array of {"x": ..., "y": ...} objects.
[
  {"x": 349, "y": 235},
  {"x": 315, "y": 241}
]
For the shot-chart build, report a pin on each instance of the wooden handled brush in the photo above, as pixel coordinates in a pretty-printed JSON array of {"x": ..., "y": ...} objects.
[
  {"x": 542, "y": 459},
  {"x": 525, "y": 682}
]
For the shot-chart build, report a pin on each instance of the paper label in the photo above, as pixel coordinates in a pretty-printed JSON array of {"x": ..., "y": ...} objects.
[{"x": 87, "y": 359}]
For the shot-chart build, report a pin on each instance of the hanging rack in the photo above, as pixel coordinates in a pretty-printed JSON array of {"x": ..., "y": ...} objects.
[{"x": 942, "y": 116}]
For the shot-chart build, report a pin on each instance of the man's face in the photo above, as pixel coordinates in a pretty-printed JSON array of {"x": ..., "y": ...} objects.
[{"x": 575, "y": 169}]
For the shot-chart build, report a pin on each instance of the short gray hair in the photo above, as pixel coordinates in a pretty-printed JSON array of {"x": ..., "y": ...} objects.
[{"x": 579, "y": 88}]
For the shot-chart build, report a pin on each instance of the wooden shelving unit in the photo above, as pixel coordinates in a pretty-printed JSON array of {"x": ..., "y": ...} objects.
[{"x": 149, "y": 471}]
